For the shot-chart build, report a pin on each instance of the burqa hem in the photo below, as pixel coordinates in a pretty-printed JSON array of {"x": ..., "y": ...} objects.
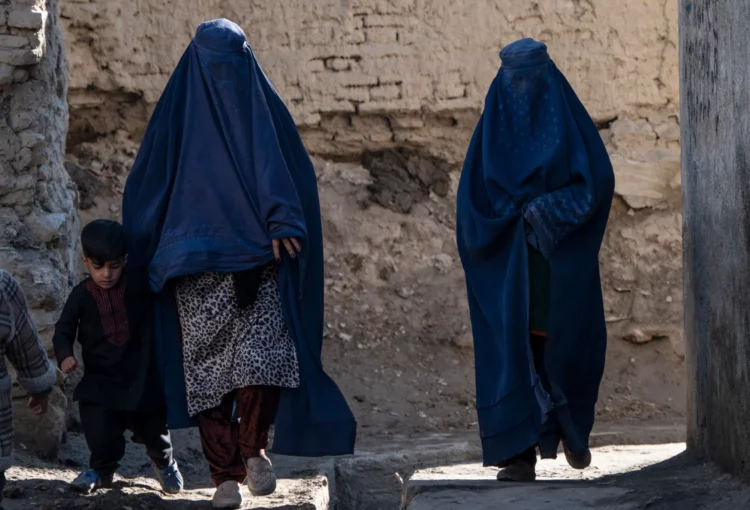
[{"x": 497, "y": 450}]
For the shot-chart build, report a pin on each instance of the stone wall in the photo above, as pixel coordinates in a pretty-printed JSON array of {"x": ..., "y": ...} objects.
[
  {"x": 38, "y": 217},
  {"x": 714, "y": 45}
]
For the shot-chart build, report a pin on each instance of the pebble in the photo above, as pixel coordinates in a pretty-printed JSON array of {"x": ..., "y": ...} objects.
[{"x": 405, "y": 292}]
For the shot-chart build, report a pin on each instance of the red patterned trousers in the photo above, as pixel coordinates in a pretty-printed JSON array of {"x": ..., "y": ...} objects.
[{"x": 226, "y": 442}]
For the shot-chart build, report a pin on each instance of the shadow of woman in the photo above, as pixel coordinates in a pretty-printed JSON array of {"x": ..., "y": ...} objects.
[{"x": 44, "y": 494}]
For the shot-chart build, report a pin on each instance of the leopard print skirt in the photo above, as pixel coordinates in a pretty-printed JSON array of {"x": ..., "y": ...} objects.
[{"x": 225, "y": 347}]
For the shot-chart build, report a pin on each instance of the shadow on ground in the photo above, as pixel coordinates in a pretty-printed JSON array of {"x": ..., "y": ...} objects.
[
  {"x": 678, "y": 482},
  {"x": 682, "y": 482},
  {"x": 51, "y": 494},
  {"x": 38, "y": 494}
]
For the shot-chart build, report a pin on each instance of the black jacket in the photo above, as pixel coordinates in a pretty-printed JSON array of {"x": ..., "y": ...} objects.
[{"x": 115, "y": 329}]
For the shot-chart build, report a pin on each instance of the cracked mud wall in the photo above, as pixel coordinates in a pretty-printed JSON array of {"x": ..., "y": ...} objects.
[{"x": 398, "y": 85}]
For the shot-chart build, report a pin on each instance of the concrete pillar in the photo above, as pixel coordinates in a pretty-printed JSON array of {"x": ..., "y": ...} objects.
[{"x": 715, "y": 125}]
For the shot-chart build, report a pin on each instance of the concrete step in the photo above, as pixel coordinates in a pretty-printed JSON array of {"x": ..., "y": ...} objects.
[
  {"x": 557, "y": 487},
  {"x": 545, "y": 496}
]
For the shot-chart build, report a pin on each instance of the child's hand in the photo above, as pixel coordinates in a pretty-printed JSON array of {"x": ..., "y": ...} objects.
[
  {"x": 68, "y": 364},
  {"x": 38, "y": 404}
]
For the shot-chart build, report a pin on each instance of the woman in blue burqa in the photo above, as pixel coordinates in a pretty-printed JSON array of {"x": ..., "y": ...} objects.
[
  {"x": 222, "y": 209},
  {"x": 533, "y": 203}
]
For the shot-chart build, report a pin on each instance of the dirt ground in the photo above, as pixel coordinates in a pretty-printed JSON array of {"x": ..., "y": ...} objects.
[
  {"x": 623, "y": 477},
  {"x": 34, "y": 484}
]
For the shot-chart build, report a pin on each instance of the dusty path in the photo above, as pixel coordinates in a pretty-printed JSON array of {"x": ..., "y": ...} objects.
[
  {"x": 38, "y": 485},
  {"x": 367, "y": 481}
]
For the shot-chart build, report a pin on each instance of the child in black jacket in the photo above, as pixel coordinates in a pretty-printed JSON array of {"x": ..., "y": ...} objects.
[{"x": 111, "y": 315}]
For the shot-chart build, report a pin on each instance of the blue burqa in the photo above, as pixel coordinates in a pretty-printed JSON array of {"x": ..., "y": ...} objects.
[
  {"x": 220, "y": 173},
  {"x": 536, "y": 172}
]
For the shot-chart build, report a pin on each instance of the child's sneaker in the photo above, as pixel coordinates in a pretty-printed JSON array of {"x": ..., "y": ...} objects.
[
  {"x": 227, "y": 495},
  {"x": 170, "y": 478},
  {"x": 261, "y": 480},
  {"x": 89, "y": 481}
]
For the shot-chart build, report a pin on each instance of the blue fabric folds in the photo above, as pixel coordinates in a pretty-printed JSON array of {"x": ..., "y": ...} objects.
[
  {"x": 536, "y": 172},
  {"x": 220, "y": 173}
]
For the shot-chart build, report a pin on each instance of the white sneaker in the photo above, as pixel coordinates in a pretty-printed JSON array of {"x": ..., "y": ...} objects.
[
  {"x": 261, "y": 480},
  {"x": 228, "y": 495}
]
